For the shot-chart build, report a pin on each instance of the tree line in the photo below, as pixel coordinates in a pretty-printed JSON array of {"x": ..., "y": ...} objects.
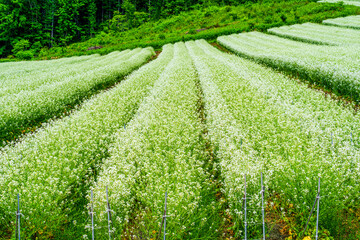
[{"x": 29, "y": 25}]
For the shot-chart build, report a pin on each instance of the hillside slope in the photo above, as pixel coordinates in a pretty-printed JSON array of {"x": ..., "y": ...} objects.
[{"x": 203, "y": 23}]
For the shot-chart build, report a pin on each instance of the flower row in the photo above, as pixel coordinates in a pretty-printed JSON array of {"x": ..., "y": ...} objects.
[
  {"x": 335, "y": 68},
  {"x": 53, "y": 168},
  {"x": 162, "y": 149},
  {"x": 349, "y": 22},
  {"x": 318, "y": 34},
  {"x": 53, "y": 93},
  {"x": 261, "y": 121}
]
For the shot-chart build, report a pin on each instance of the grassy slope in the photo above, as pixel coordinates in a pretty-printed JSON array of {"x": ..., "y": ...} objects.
[{"x": 208, "y": 23}]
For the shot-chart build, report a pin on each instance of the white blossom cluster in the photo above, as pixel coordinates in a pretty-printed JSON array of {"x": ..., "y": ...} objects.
[
  {"x": 347, "y": 2},
  {"x": 13, "y": 70},
  {"x": 225, "y": 131},
  {"x": 161, "y": 150},
  {"x": 262, "y": 121},
  {"x": 43, "y": 74},
  {"x": 25, "y": 98},
  {"x": 148, "y": 136},
  {"x": 51, "y": 168},
  {"x": 318, "y": 34},
  {"x": 349, "y": 22},
  {"x": 333, "y": 67}
]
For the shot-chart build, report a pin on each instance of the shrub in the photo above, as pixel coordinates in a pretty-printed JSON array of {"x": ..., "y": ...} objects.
[
  {"x": 25, "y": 55},
  {"x": 234, "y": 16},
  {"x": 36, "y": 47},
  {"x": 21, "y": 45},
  {"x": 192, "y": 31}
]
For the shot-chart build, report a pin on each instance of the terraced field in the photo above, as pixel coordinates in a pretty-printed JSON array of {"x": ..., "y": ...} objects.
[
  {"x": 319, "y": 34},
  {"x": 349, "y": 22},
  {"x": 336, "y": 68},
  {"x": 348, "y": 2},
  {"x": 30, "y": 97},
  {"x": 190, "y": 123}
]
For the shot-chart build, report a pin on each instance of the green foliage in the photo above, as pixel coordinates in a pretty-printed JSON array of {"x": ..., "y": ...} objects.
[
  {"x": 44, "y": 52},
  {"x": 21, "y": 51},
  {"x": 55, "y": 23},
  {"x": 67, "y": 27},
  {"x": 192, "y": 31},
  {"x": 162, "y": 36},
  {"x": 123, "y": 22},
  {"x": 2, "y": 50},
  {"x": 36, "y": 47},
  {"x": 140, "y": 18},
  {"x": 118, "y": 22},
  {"x": 25, "y": 55},
  {"x": 21, "y": 45},
  {"x": 129, "y": 9}
]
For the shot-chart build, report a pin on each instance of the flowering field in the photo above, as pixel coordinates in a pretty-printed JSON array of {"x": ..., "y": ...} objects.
[
  {"x": 19, "y": 80},
  {"x": 318, "y": 34},
  {"x": 349, "y": 22},
  {"x": 347, "y": 2},
  {"x": 333, "y": 67},
  {"x": 12, "y": 70},
  {"x": 261, "y": 121},
  {"x": 31, "y": 96},
  {"x": 255, "y": 120},
  {"x": 163, "y": 148},
  {"x": 190, "y": 123},
  {"x": 52, "y": 169}
]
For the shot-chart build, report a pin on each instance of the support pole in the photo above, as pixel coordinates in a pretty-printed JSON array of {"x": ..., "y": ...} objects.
[
  {"x": 318, "y": 210},
  {"x": 108, "y": 212},
  {"x": 18, "y": 215},
  {"x": 332, "y": 142},
  {"x": 92, "y": 215},
  {"x": 262, "y": 205},
  {"x": 165, "y": 215},
  {"x": 312, "y": 210},
  {"x": 245, "y": 208},
  {"x": 163, "y": 222}
]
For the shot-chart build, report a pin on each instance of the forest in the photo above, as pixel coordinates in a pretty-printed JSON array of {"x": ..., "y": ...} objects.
[{"x": 26, "y": 26}]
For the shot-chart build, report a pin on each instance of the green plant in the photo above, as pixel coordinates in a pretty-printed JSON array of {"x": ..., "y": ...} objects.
[
  {"x": 253, "y": 15},
  {"x": 322, "y": 65},
  {"x": 293, "y": 142},
  {"x": 36, "y": 47},
  {"x": 234, "y": 16},
  {"x": 61, "y": 162},
  {"x": 24, "y": 55},
  {"x": 59, "y": 87},
  {"x": 21, "y": 45},
  {"x": 192, "y": 32}
]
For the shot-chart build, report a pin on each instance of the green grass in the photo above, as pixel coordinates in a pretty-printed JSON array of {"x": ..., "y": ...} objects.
[{"x": 207, "y": 23}]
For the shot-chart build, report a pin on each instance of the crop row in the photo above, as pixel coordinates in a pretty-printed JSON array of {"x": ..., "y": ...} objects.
[
  {"x": 335, "y": 68},
  {"x": 347, "y": 2},
  {"x": 162, "y": 149},
  {"x": 262, "y": 121},
  {"x": 53, "y": 94},
  {"x": 349, "y": 22},
  {"x": 27, "y": 68},
  {"x": 318, "y": 34},
  {"x": 26, "y": 82},
  {"x": 183, "y": 122},
  {"x": 52, "y": 169}
]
